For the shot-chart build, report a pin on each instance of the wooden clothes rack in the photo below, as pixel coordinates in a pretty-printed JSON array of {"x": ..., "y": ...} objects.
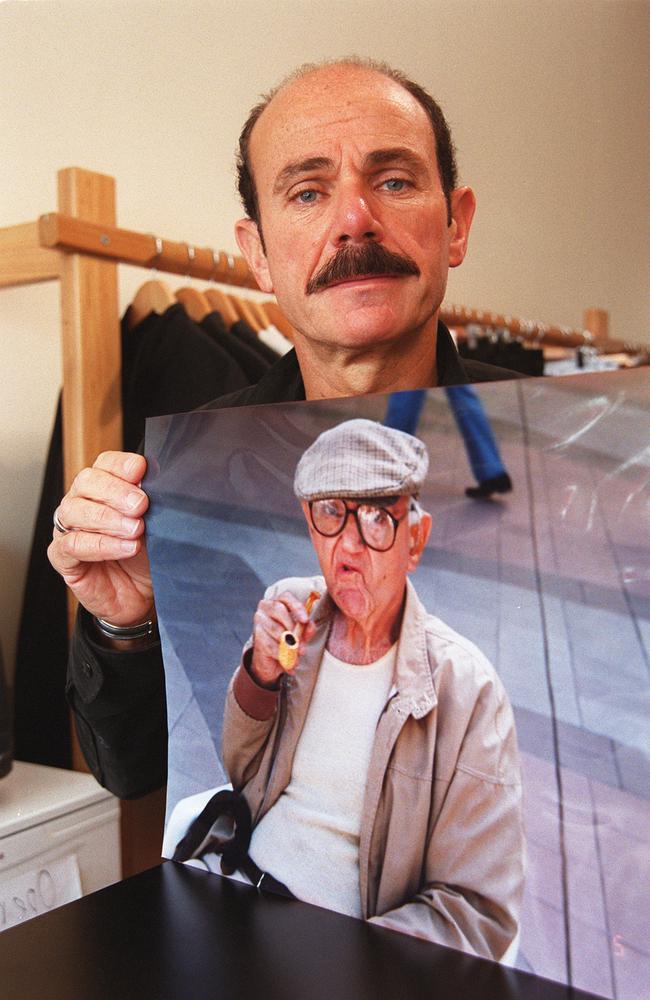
[{"x": 80, "y": 246}]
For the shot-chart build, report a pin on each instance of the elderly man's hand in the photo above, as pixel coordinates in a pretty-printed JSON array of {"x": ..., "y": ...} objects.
[
  {"x": 100, "y": 553},
  {"x": 283, "y": 613}
]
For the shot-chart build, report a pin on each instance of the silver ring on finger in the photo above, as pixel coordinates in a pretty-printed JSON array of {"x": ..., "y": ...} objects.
[{"x": 58, "y": 523}]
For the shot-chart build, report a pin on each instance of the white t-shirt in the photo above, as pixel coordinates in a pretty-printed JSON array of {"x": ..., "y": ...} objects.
[{"x": 310, "y": 838}]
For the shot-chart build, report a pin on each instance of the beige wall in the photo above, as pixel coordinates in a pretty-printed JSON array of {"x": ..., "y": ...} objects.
[{"x": 547, "y": 100}]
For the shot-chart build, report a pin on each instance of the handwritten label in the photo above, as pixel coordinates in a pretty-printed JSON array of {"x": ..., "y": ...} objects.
[{"x": 45, "y": 887}]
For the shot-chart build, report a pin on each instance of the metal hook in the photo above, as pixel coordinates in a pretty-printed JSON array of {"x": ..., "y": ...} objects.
[
  {"x": 191, "y": 254},
  {"x": 158, "y": 244},
  {"x": 216, "y": 261}
]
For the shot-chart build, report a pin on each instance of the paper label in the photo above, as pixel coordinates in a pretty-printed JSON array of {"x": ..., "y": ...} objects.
[{"x": 44, "y": 888}]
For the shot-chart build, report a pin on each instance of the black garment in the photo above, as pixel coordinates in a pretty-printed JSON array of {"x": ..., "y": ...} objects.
[
  {"x": 119, "y": 698},
  {"x": 509, "y": 353},
  {"x": 41, "y": 715},
  {"x": 246, "y": 333},
  {"x": 249, "y": 360},
  {"x": 169, "y": 365}
]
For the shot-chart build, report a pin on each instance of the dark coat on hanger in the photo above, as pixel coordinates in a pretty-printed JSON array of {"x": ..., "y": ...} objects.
[
  {"x": 246, "y": 333},
  {"x": 251, "y": 361}
]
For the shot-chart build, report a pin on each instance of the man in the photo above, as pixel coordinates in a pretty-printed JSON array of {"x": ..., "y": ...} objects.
[
  {"x": 348, "y": 176},
  {"x": 381, "y": 770}
]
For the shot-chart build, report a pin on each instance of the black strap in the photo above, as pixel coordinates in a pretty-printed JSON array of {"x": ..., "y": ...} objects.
[
  {"x": 231, "y": 841},
  {"x": 262, "y": 880}
]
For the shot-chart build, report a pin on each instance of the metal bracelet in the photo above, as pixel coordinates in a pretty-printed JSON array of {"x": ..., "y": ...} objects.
[{"x": 125, "y": 631}]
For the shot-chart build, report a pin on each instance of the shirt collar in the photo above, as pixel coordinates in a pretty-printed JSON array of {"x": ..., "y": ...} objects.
[
  {"x": 283, "y": 381},
  {"x": 449, "y": 366}
]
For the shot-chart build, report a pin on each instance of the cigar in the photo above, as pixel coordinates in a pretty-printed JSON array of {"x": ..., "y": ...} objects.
[{"x": 289, "y": 641}]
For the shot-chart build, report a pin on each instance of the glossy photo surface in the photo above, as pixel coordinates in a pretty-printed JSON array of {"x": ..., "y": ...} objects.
[{"x": 550, "y": 581}]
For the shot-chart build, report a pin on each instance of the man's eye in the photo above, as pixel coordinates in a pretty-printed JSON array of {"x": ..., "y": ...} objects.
[
  {"x": 306, "y": 197},
  {"x": 395, "y": 184}
]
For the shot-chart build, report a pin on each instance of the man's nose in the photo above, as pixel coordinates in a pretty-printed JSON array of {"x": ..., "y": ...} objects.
[
  {"x": 356, "y": 219},
  {"x": 351, "y": 536}
]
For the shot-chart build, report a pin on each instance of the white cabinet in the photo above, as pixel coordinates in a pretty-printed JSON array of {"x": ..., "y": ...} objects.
[{"x": 59, "y": 839}]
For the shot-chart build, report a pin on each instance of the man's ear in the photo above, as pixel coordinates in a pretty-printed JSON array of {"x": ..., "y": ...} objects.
[
  {"x": 248, "y": 238},
  {"x": 418, "y": 538},
  {"x": 463, "y": 206}
]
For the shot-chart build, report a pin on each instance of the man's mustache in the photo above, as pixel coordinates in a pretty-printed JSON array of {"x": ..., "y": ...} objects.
[{"x": 355, "y": 261}]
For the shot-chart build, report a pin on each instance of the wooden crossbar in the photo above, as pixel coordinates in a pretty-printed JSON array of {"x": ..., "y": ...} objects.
[
  {"x": 23, "y": 259},
  {"x": 144, "y": 249}
]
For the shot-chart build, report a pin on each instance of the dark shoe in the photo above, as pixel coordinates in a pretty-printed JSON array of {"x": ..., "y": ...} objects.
[{"x": 484, "y": 490}]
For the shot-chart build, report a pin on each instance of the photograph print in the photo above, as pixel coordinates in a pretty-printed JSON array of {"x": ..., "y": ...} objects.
[{"x": 389, "y": 627}]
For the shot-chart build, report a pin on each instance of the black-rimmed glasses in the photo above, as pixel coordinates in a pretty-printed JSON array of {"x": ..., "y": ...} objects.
[{"x": 377, "y": 526}]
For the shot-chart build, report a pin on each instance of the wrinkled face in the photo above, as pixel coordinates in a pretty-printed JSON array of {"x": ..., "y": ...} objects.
[
  {"x": 361, "y": 581},
  {"x": 343, "y": 158}
]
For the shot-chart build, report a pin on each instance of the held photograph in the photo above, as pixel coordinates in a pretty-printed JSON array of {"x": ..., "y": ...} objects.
[{"x": 388, "y": 627}]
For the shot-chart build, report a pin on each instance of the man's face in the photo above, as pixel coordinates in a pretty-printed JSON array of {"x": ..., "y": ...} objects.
[
  {"x": 362, "y": 582},
  {"x": 342, "y": 158}
]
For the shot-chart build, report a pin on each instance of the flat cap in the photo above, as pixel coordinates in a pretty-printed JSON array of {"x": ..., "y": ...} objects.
[{"x": 361, "y": 458}]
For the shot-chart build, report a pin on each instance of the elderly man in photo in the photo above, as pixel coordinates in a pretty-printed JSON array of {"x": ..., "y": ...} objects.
[{"x": 381, "y": 770}]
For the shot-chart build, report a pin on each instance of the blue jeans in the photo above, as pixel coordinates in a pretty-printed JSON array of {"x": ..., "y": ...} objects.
[{"x": 404, "y": 410}]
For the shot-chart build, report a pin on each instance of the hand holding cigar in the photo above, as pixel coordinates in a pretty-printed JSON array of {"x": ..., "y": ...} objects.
[
  {"x": 290, "y": 641},
  {"x": 279, "y": 626}
]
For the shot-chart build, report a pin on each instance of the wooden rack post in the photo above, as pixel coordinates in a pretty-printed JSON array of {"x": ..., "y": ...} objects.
[
  {"x": 92, "y": 400},
  {"x": 597, "y": 322},
  {"x": 92, "y": 419}
]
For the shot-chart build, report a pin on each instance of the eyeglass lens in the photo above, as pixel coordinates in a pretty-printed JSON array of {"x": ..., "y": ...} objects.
[{"x": 376, "y": 526}]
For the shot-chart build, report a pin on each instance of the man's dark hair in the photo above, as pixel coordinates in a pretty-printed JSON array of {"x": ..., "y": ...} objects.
[{"x": 445, "y": 152}]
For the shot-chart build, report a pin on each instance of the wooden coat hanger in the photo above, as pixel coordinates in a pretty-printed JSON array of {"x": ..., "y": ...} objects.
[
  {"x": 243, "y": 309},
  {"x": 263, "y": 320},
  {"x": 154, "y": 296},
  {"x": 194, "y": 302},
  {"x": 220, "y": 301}
]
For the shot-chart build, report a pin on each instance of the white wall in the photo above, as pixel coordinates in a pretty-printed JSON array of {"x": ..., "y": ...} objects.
[{"x": 547, "y": 100}]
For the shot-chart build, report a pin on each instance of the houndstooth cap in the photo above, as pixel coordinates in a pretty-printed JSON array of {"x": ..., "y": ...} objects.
[{"x": 361, "y": 458}]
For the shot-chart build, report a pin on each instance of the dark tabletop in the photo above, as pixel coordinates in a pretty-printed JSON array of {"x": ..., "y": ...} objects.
[{"x": 178, "y": 932}]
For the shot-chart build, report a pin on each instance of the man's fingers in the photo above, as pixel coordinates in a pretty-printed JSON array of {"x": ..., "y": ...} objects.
[
  {"x": 296, "y": 607},
  {"x": 276, "y": 612},
  {"x": 78, "y": 514},
  {"x": 265, "y": 624},
  {"x": 267, "y": 645},
  {"x": 124, "y": 464},
  {"x": 106, "y": 488},
  {"x": 66, "y": 551}
]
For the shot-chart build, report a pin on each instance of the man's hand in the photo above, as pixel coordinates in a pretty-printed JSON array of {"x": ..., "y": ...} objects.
[
  {"x": 283, "y": 613},
  {"x": 102, "y": 556}
]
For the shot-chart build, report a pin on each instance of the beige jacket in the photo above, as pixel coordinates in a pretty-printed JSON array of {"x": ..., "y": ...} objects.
[{"x": 441, "y": 852}]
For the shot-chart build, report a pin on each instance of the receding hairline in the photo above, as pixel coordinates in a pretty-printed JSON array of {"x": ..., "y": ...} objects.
[{"x": 309, "y": 68}]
